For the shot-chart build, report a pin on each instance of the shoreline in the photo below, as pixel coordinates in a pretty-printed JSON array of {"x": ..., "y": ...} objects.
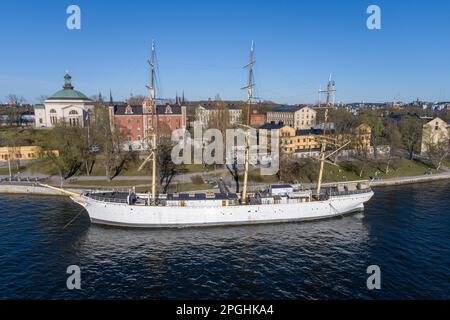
[
  {"x": 35, "y": 189},
  {"x": 411, "y": 180}
]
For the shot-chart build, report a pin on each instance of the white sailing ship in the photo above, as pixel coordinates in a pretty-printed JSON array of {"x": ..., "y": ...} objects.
[
  {"x": 281, "y": 203},
  {"x": 278, "y": 203}
]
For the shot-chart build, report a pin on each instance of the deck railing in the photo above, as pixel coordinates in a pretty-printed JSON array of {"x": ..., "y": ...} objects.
[
  {"x": 104, "y": 198},
  {"x": 347, "y": 193}
]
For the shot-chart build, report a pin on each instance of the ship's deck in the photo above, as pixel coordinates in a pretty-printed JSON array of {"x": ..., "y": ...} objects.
[
  {"x": 122, "y": 197},
  {"x": 109, "y": 196}
]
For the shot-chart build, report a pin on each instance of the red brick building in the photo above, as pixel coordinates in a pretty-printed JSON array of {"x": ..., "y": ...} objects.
[
  {"x": 257, "y": 119},
  {"x": 135, "y": 122}
]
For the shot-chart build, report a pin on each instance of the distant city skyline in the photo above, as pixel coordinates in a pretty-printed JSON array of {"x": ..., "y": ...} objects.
[{"x": 202, "y": 47}]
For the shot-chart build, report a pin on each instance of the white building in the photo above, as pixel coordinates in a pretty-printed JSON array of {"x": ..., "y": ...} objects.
[
  {"x": 67, "y": 105},
  {"x": 297, "y": 117},
  {"x": 204, "y": 114}
]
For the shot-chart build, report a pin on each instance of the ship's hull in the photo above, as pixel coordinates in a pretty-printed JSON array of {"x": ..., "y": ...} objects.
[{"x": 119, "y": 214}]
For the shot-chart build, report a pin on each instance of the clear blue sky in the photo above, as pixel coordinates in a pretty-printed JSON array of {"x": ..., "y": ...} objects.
[{"x": 202, "y": 46}]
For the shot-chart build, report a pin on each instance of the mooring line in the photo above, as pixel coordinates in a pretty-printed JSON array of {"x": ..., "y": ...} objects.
[{"x": 73, "y": 219}]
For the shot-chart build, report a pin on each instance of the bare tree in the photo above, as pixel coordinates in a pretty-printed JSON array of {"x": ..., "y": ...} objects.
[
  {"x": 394, "y": 139},
  {"x": 219, "y": 117},
  {"x": 438, "y": 152},
  {"x": 63, "y": 147},
  {"x": 294, "y": 169},
  {"x": 234, "y": 172},
  {"x": 42, "y": 98},
  {"x": 111, "y": 142},
  {"x": 166, "y": 168},
  {"x": 411, "y": 131},
  {"x": 136, "y": 100},
  {"x": 14, "y": 100},
  {"x": 374, "y": 120}
]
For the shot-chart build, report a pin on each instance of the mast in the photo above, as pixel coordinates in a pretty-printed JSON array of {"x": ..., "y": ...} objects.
[
  {"x": 250, "y": 85},
  {"x": 249, "y": 88},
  {"x": 154, "y": 132},
  {"x": 152, "y": 73},
  {"x": 154, "y": 169},
  {"x": 330, "y": 92}
]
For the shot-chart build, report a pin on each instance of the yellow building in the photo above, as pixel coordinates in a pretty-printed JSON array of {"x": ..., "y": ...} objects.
[
  {"x": 21, "y": 153},
  {"x": 359, "y": 137},
  {"x": 433, "y": 133},
  {"x": 294, "y": 141}
]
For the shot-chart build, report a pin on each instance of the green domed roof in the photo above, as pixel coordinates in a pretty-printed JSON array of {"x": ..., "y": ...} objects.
[{"x": 68, "y": 93}]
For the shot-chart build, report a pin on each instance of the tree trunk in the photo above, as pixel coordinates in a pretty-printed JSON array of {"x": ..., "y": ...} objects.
[
  {"x": 387, "y": 165},
  {"x": 87, "y": 167}
]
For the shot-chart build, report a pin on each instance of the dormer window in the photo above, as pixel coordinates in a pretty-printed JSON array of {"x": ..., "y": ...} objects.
[
  {"x": 168, "y": 109},
  {"x": 129, "y": 110}
]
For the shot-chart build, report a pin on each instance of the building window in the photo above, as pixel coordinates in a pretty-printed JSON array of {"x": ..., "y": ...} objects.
[{"x": 40, "y": 120}]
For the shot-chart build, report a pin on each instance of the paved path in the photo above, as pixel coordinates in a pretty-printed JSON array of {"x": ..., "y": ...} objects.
[
  {"x": 186, "y": 177},
  {"x": 409, "y": 180},
  {"x": 252, "y": 185}
]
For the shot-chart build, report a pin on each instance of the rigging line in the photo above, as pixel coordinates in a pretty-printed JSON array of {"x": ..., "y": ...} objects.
[
  {"x": 293, "y": 77},
  {"x": 73, "y": 219},
  {"x": 293, "y": 96},
  {"x": 127, "y": 77},
  {"x": 258, "y": 86},
  {"x": 218, "y": 63},
  {"x": 158, "y": 76},
  {"x": 296, "y": 85}
]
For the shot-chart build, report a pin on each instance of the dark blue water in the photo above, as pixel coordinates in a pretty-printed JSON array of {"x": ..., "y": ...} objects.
[{"x": 404, "y": 230}]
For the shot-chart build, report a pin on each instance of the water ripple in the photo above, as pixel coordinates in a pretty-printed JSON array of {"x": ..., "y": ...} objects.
[{"x": 406, "y": 231}]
